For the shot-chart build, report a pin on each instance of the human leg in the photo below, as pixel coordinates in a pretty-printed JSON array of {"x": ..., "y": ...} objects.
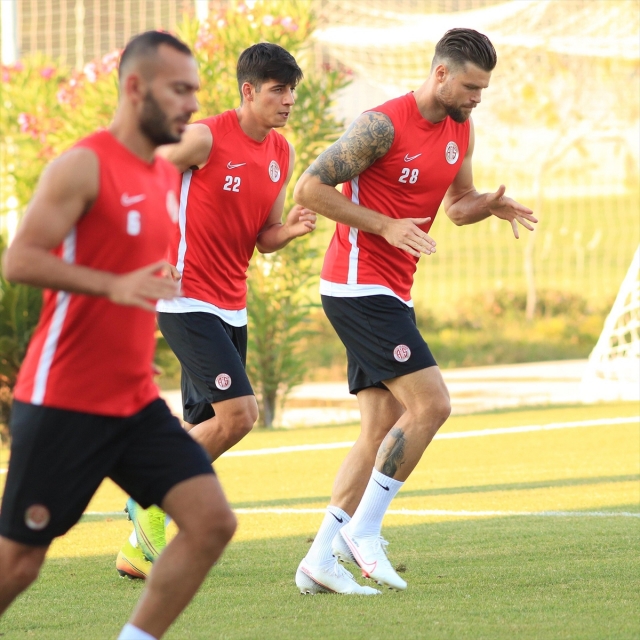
[
  {"x": 426, "y": 399},
  {"x": 219, "y": 407},
  {"x": 19, "y": 567},
  {"x": 233, "y": 420},
  {"x": 206, "y": 524}
]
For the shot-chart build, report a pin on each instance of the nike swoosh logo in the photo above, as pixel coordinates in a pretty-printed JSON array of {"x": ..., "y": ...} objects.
[
  {"x": 235, "y": 166},
  {"x": 385, "y": 488},
  {"x": 408, "y": 158},
  {"x": 126, "y": 200},
  {"x": 367, "y": 567},
  {"x": 336, "y": 517}
]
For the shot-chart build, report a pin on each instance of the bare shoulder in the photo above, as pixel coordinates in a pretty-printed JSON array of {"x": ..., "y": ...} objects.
[
  {"x": 368, "y": 138},
  {"x": 75, "y": 172},
  {"x": 373, "y": 129}
]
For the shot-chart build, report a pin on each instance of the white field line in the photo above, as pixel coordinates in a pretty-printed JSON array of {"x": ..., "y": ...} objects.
[
  {"x": 426, "y": 512},
  {"x": 442, "y": 436}
]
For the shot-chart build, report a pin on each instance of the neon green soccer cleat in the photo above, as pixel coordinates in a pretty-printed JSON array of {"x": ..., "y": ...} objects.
[
  {"x": 131, "y": 562},
  {"x": 149, "y": 526}
]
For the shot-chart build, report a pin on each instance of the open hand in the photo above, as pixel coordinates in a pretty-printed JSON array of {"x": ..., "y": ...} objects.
[
  {"x": 508, "y": 209},
  {"x": 405, "y": 234},
  {"x": 300, "y": 221}
]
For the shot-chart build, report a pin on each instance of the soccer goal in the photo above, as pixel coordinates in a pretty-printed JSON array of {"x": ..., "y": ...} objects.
[{"x": 613, "y": 371}]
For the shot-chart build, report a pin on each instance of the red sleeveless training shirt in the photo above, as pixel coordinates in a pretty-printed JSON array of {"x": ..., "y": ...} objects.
[
  {"x": 223, "y": 207},
  {"x": 87, "y": 353},
  {"x": 409, "y": 181}
]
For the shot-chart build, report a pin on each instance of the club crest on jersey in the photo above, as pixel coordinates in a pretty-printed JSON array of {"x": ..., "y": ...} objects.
[
  {"x": 172, "y": 205},
  {"x": 452, "y": 153},
  {"x": 223, "y": 381},
  {"x": 274, "y": 171},
  {"x": 37, "y": 517},
  {"x": 402, "y": 353}
]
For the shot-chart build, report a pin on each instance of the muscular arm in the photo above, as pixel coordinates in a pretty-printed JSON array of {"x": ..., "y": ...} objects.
[
  {"x": 67, "y": 189},
  {"x": 369, "y": 137},
  {"x": 464, "y": 205},
  {"x": 192, "y": 151},
  {"x": 275, "y": 234}
]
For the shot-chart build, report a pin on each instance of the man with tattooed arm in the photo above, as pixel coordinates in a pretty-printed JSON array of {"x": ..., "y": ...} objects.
[{"x": 397, "y": 163}]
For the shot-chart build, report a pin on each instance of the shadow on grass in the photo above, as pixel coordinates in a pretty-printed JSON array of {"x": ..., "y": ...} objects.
[{"x": 441, "y": 491}]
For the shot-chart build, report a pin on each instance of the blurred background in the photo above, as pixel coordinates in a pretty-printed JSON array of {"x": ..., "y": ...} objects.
[{"x": 559, "y": 126}]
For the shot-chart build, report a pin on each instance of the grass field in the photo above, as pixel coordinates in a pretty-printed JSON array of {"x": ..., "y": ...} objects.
[{"x": 528, "y": 533}]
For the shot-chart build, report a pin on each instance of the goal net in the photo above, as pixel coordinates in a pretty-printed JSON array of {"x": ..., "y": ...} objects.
[{"x": 613, "y": 371}]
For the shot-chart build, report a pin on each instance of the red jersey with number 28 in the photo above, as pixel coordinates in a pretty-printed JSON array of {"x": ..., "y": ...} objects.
[
  {"x": 87, "y": 353},
  {"x": 223, "y": 207},
  {"x": 409, "y": 181}
]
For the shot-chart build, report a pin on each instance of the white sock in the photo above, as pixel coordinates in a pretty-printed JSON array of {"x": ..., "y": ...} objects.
[
  {"x": 381, "y": 490},
  {"x": 129, "y": 632},
  {"x": 319, "y": 553},
  {"x": 167, "y": 520}
]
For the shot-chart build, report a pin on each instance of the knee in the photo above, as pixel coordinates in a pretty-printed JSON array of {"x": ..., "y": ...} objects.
[
  {"x": 435, "y": 411},
  {"x": 217, "y": 529},
  {"x": 241, "y": 421},
  {"x": 22, "y": 569}
]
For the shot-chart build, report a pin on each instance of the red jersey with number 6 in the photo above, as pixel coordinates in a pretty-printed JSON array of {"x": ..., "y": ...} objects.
[
  {"x": 409, "y": 181},
  {"x": 87, "y": 353},
  {"x": 223, "y": 207}
]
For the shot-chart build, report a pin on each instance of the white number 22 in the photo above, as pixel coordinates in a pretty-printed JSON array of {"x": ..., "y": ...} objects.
[{"x": 232, "y": 183}]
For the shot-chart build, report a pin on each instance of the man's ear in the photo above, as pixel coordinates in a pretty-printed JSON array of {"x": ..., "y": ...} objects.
[
  {"x": 133, "y": 87},
  {"x": 248, "y": 91}
]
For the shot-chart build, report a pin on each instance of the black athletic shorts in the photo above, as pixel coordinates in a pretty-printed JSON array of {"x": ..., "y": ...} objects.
[
  {"x": 381, "y": 338},
  {"x": 59, "y": 458},
  {"x": 213, "y": 356}
]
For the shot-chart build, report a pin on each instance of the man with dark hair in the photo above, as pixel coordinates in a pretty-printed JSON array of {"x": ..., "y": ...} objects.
[
  {"x": 398, "y": 163},
  {"x": 236, "y": 168},
  {"x": 85, "y": 406}
]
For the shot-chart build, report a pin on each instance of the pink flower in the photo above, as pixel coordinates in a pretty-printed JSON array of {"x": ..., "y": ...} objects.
[
  {"x": 288, "y": 23},
  {"x": 6, "y": 76},
  {"x": 47, "y": 72},
  {"x": 90, "y": 72}
]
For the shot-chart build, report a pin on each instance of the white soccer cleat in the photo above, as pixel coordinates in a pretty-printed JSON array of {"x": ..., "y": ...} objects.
[
  {"x": 370, "y": 555},
  {"x": 311, "y": 580}
]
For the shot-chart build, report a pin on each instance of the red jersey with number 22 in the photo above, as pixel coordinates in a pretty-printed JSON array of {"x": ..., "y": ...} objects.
[
  {"x": 409, "y": 181},
  {"x": 223, "y": 207},
  {"x": 87, "y": 353}
]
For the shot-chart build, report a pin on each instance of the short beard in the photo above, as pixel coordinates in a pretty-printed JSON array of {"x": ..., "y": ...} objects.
[
  {"x": 154, "y": 123},
  {"x": 456, "y": 114}
]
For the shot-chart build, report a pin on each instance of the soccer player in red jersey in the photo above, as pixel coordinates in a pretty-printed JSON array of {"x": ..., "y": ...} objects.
[
  {"x": 94, "y": 237},
  {"x": 235, "y": 170},
  {"x": 398, "y": 163}
]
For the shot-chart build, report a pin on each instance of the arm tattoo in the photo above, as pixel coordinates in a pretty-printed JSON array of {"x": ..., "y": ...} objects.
[
  {"x": 366, "y": 140},
  {"x": 392, "y": 454}
]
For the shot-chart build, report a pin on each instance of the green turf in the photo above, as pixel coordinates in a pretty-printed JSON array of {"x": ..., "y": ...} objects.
[
  {"x": 495, "y": 578},
  {"x": 522, "y": 576}
]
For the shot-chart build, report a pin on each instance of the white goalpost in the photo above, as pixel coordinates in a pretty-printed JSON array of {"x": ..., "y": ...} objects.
[{"x": 613, "y": 371}]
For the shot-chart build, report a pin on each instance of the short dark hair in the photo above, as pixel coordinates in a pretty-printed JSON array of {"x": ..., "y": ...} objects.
[
  {"x": 459, "y": 46},
  {"x": 266, "y": 61},
  {"x": 147, "y": 43}
]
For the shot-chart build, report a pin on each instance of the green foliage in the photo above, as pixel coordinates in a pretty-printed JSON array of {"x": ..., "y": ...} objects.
[
  {"x": 19, "y": 311},
  {"x": 278, "y": 301}
]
